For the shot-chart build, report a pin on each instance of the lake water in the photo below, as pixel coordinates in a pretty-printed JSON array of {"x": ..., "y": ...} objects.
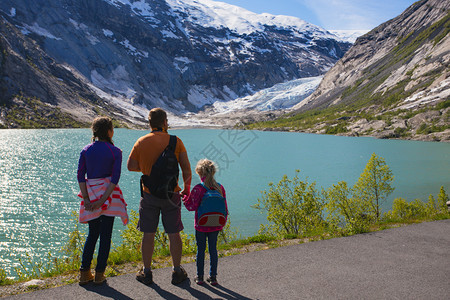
[{"x": 38, "y": 185}]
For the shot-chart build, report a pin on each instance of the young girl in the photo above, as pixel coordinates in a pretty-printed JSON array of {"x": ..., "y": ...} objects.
[
  {"x": 102, "y": 198},
  {"x": 206, "y": 170}
]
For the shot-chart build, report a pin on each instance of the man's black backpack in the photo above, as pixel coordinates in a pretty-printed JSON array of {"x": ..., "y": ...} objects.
[{"x": 164, "y": 176}]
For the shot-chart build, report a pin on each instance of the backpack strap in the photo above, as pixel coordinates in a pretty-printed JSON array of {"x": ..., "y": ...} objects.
[
  {"x": 204, "y": 185},
  {"x": 173, "y": 142},
  {"x": 208, "y": 189}
]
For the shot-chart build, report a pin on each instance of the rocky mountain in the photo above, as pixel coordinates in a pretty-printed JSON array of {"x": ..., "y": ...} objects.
[
  {"x": 181, "y": 55},
  {"x": 38, "y": 92},
  {"x": 393, "y": 82}
]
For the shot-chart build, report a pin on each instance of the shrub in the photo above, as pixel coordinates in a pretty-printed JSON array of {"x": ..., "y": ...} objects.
[
  {"x": 131, "y": 237},
  {"x": 345, "y": 211},
  {"x": 417, "y": 209},
  {"x": 4, "y": 278},
  {"x": 227, "y": 234},
  {"x": 374, "y": 185},
  {"x": 292, "y": 205},
  {"x": 442, "y": 201},
  {"x": 403, "y": 210},
  {"x": 336, "y": 129}
]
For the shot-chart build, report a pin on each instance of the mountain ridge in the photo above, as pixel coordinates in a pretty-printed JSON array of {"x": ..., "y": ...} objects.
[
  {"x": 153, "y": 53},
  {"x": 394, "y": 82}
]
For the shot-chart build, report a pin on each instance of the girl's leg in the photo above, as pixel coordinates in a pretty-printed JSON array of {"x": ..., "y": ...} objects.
[
  {"x": 200, "y": 237},
  {"x": 89, "y": 245},
  {"x": 212, "y": 247},
  {"x": 106, "y": 227}
]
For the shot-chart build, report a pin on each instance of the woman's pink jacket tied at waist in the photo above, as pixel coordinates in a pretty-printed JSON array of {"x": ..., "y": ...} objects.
[{"x": 114, "y": 206}]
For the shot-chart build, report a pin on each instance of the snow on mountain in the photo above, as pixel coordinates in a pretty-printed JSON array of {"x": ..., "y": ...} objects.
[
  {"x": 349, "y": 35},
  {"x": 280, "y": 96},
  {"x": 207, "y": 13}
]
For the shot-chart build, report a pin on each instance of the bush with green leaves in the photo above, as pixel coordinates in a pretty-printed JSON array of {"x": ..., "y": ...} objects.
[
  {"x": 293, "y": 206},
  {"x": 404, "y": 210},
  {"x": 354, "y": 209},
  {"x": 4, "y": 280},
  {"x": 352, "y": 214},
  {"x": 374, "y": 185},
  {"x": 442, "y": 200},
  {"x": 228, "y": 234}
]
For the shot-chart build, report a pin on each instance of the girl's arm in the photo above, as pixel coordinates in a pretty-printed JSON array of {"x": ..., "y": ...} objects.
[
  {"x": 104, "y": 197},
  {"x": 117, "y": 167},
  {"x": 192, "y": 202},
  {"x": 81, "y": 173},
  {"x": 85, "y": 194}
]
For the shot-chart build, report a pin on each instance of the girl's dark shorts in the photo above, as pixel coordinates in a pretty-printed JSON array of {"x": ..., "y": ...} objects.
[{"x": 151, "y": 207}]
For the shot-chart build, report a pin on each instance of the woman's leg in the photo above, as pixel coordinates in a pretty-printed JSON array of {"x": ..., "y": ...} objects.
[
  {"x": 200, "y": 237},
  {"x": 106, "y": 227},
  {"x": 89, "y": 245},
  {"x": 212, "y": 247}
]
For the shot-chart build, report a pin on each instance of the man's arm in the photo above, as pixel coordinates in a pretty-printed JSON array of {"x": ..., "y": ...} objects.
[
  {"x": 186, "y": 171},
  {"x": 133, "y": 165}
]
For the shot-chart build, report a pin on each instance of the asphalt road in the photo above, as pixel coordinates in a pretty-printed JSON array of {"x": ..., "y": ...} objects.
[{"x": 411, "y": 262}]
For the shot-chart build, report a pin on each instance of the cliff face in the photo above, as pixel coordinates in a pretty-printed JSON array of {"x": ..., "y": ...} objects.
[
  {"x": 393, "y": 83},
  {"x": 180, "y": 55},
  {"x": 38, "y": 92},
  {"x": 395, "y": 65}
]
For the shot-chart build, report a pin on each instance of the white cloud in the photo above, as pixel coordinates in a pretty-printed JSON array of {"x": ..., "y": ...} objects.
[
  {"x": 345, "y": 14},
  {"x": 355, "y": 14}
]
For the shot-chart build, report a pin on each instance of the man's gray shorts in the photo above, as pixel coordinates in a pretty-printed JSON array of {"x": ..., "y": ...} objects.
[{"x": 151, "y": 207}]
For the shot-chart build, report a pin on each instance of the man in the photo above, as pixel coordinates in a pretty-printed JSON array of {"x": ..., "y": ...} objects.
[{"x": 143, "y": 156}]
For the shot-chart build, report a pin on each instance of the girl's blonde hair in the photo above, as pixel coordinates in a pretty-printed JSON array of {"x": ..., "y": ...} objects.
[{"x": 206, "y": 169}]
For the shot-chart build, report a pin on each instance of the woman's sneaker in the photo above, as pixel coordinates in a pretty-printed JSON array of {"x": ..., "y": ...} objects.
[
  {"x": 179, "y": 277},
  {"x": 212, "y": 280},
  {"x": 144, "y": 277},
  {"x": 199, "y": 280}
]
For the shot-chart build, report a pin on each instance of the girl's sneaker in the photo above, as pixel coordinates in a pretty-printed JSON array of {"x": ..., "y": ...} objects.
[
  {"x": 85, "y": 277},
  {"x": 199, "y": 280},
  {"x": 212, "y": 280}
]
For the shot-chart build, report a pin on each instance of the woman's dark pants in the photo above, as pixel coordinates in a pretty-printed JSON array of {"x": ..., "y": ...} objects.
[{"x": 101, "y": 227}]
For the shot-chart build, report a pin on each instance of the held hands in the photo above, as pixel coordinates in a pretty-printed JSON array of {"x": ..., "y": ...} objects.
[{"x": 185, "y": 193}]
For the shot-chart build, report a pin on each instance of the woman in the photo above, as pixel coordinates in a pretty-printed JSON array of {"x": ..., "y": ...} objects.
[{"x": 101, "y": 163}]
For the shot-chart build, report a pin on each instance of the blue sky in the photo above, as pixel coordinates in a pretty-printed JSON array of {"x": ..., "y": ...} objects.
[{"x": 331, "y": 14}]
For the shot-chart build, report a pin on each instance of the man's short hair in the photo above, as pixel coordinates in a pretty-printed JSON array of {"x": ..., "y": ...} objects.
[{"x": 156, "y": 117}]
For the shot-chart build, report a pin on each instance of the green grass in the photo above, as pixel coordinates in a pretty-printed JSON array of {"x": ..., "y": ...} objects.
[{"x": 33, "y": 113}]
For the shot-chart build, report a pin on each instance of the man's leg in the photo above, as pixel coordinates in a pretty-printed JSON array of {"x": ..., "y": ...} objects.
[
  {"x": 147, "y": 246},
  {"x": 176, "y": 248}
]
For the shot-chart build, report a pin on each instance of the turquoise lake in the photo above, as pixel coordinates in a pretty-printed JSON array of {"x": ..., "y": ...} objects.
[{"x": 38, "y": 186}]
